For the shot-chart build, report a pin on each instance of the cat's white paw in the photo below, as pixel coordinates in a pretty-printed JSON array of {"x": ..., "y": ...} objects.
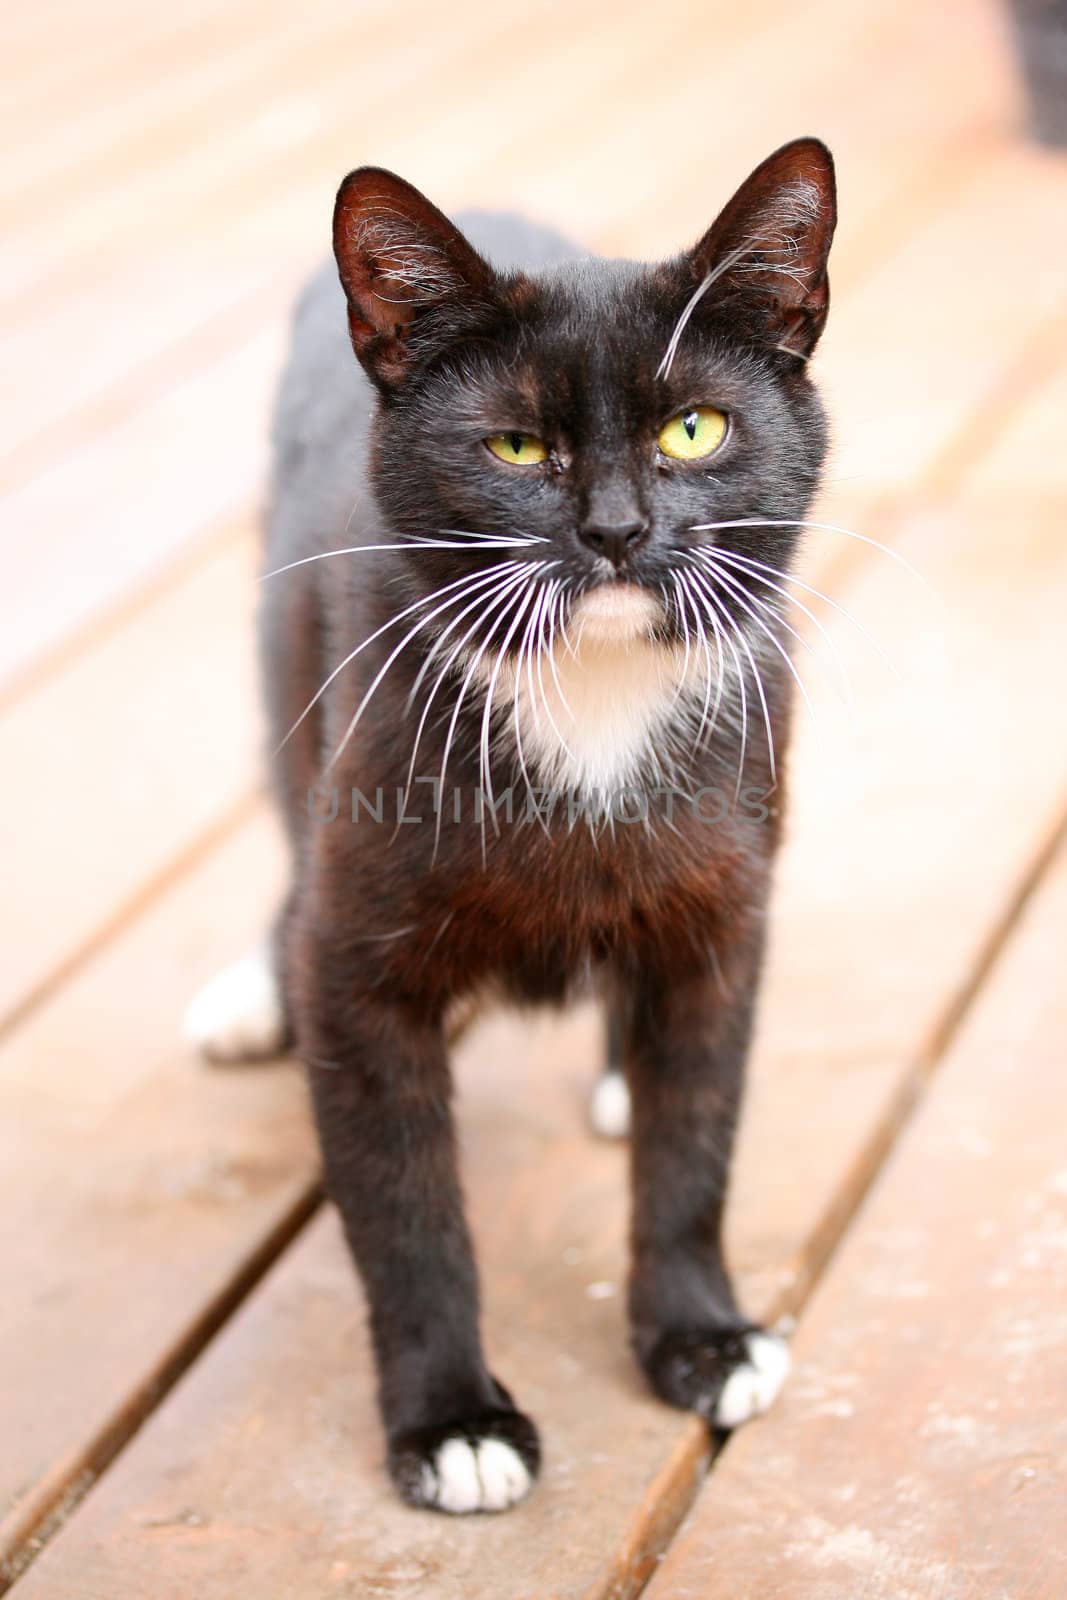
[
  {"x": 239, "y": 1015},
  {"x": 487, "y": 1463},
  {"x": 752, "y": 1388},
  {"x": 609, "y": 1106},
  {"x": 488, "y": 1475}
]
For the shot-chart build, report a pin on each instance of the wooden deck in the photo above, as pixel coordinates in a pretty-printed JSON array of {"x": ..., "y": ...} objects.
[{"x": 185, "y": 1396}]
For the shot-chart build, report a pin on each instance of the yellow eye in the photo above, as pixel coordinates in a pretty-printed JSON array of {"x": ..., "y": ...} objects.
[
  {"x": 518, "y": 449},
  {"x": 693, "y": 434}
]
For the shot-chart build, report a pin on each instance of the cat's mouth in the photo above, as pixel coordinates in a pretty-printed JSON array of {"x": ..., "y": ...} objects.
[{"x": 615, "y": 611}]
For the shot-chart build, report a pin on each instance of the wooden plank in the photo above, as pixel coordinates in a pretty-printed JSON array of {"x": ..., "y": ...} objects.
[
  {"x": 344, "y": 108},
  {"x": 879, "y": 841},
  {"x": 122, "y": 763},
  {"x": 106, "y": 547},
  {"x": 147, "y": 849},
  {"x": 89, "y": 54},
  {"x": 259, "y": 163},
  {"x": 140, "y": 1191},
  {"x": 948, "y": 67},
  {"x": 1024, "y": 454},
  {"x": 591, "y": 198},
  {"x": 922, "y": 348},
  {"x": 75, "y": 548},
  {"x": 202, "y": 315},
  {"x": 217, "y": 304},
  {"x": 920, "y": 1449},
  {"x": 125, "y": 46},
  {"x": 220, "y": 75},
  {"x": 102, "y": 544},
  {"x": 106, "y": 517}
]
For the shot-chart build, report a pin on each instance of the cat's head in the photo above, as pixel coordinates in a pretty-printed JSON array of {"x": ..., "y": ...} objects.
[{"x": 566, "y": 435}]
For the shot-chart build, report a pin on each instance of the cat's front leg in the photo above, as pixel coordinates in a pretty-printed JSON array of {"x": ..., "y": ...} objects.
[
  {"x": 381, "y": 1091},
  {"x": 685, "y": 1057}
]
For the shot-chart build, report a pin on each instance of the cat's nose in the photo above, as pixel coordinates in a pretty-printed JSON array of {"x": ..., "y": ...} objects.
[{"x": 618, "y": 541}]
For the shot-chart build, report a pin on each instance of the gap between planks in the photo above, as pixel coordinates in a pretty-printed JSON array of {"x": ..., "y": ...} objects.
[
  {"x": 1028, "y": 370},
  {"x": 28, "y": 1527},
  {"x": 660, "y": 1510},
  {"x": 919, "y": 1449},
  {"x": 656, "y": 1517},
  {"x": 921, "y": 189},
  {"x": 692, "y": 1462}
]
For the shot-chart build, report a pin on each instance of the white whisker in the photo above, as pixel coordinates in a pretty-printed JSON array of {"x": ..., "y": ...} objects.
[
  {"x": 743, "y": 565},
  {"x": 457, "y": 583},
  {"x": 758, "y": 676},
  {"x": 488, "y": 543},
  {"x": 480, "y": 600},
  {"x": 843, "y": 611},
  {"x": 357, "y": 714},
  {"x": 494, "y": 609},
  {"x": 725, "y": 631},
  {"x": 484, "y": 761},
  {"x": 821, "y": 527},
  {"x": 531, "y": 640},
  {"x": 663, "y": 370},
  {"x": 546, "y": 651},
  {"x": 683, "y": 590},
  {"x": 744, "y": 600}
]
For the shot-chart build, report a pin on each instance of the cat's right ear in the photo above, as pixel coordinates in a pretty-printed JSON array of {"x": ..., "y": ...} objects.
[
  {"x": 412, "y": 281},
  {"x": 765, "y": 255}
]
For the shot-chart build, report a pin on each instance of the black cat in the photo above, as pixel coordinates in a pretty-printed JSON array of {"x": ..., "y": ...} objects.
[{"x": 526, "y": 662}]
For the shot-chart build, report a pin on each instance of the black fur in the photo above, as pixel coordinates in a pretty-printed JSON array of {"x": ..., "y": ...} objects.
[{"x": 386, "y": 925}]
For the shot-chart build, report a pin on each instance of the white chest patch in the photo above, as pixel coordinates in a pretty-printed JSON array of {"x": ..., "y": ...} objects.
[{"x": 602, "y": 708}]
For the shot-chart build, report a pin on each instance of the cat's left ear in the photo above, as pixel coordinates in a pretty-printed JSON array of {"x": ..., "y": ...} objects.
[
  {"x": 765, "y": 255},
  {"x": 412, "y": 281}
]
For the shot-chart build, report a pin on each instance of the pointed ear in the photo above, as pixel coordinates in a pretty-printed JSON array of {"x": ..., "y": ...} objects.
[
  {"x": 412, "y": 281},
  {"x": 764, "y": 257}
]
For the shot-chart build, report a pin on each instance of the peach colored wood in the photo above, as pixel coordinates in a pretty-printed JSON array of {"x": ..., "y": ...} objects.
[
  {"x": 157, "y": 444},
  {"x": 1026, "y": 455},
  {"x": 191, "y": 261},
  {"x": 947, "y": 65},
  {"x": 595, "y": 175},
  {"x": 588, "y": 181},
  {"x": 865, "y": 974},
  {"x": 496, "y": 50},
  {"x": 128, "y": 758},
  {"x": 198, "y": 318},
  {"x": 925, "y": 341},
  {"x": 44, "y": 72},
  {"x": 349, "y": 118},
  {"x": 196, "y": 417},
  {"x": 922, "y": 1445},
  {"x": 91, "y": 512},
  {"x": 140, "y": 1189},
  {"x": 252, "y": 209},
  {"x": 122, "y": 494},
  {"x": 213, "y": 80},
  {"x": 106, "y": 515}
]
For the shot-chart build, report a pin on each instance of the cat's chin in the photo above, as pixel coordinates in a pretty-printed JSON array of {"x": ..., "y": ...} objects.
[{"x": 615, "y": 612}]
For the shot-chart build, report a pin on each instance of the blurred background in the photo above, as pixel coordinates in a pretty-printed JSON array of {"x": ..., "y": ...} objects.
[{"x": 166, "y": 183}]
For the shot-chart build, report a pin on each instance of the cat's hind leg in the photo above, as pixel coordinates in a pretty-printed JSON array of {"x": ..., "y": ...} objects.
[
  {"x": 609, "y": 1104},
  {"x": 239, "y": 1015},
  {"x": 242, "y": 1014}
]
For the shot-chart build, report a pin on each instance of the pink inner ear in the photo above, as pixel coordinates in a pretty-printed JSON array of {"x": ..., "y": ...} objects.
[
  {"x": 398, "y": 256},
  {"x": 770, "y": 243},
  {"x": 388, "y": 272}
]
